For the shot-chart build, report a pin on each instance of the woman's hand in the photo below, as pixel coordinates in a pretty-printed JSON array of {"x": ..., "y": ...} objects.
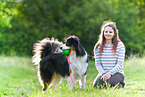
[{"x": 106, "y": 76}]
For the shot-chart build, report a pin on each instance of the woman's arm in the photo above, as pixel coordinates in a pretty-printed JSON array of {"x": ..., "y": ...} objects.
[{"x": 98, "y": 61}]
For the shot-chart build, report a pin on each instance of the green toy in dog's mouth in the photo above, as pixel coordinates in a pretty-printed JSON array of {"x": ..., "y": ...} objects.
[{"x": 66, "y": 51}]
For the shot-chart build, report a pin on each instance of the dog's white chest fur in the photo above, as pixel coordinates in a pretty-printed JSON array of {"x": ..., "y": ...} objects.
[{"x": 79, "y": 65}]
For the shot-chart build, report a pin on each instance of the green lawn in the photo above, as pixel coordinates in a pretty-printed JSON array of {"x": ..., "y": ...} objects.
[{"x": 18, "y": 78}]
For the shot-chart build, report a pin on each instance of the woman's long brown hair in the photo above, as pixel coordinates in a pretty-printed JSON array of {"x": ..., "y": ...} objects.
[{"x": 101, "y": 40}]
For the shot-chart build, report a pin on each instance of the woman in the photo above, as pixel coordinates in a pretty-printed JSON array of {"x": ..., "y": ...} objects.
[{"x": 109, "y": 53}]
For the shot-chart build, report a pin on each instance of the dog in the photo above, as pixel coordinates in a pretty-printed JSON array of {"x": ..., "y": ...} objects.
[{"x": 53, "y": 65}]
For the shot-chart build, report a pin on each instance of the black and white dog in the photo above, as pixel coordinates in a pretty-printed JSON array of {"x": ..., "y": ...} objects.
[{"x": 53, "y": 65}]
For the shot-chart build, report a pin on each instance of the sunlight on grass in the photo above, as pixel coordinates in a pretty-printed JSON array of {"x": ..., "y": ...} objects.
[{"x": 18, "y": 77}]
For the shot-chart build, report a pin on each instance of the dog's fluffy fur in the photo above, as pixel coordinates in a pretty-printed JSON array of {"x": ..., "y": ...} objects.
[{"x": 53, "y": 65}]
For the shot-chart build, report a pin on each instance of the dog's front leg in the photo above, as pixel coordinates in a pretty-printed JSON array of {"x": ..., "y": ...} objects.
[
  {"x": 71, "y": 82},
  {"x": 82, "y": 81}
]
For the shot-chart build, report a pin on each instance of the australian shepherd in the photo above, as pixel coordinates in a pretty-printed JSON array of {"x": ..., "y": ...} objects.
[{"x": 53, "y": 65}]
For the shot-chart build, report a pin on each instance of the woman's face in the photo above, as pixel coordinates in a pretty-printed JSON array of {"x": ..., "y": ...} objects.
[{"x": 108, "y": 33}]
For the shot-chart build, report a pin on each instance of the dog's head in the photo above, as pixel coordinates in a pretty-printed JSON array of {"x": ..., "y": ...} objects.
[{"x": 73, "y": 43}]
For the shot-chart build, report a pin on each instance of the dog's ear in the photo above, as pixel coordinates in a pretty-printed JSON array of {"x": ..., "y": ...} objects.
[{"x": 76, "y": 44}]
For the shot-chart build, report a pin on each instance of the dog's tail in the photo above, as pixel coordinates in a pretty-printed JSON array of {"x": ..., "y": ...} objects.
[{"x": 45, "y": 47}]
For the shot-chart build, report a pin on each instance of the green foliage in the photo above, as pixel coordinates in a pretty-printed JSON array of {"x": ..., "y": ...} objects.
[
  {"x": 6, "y": 15},
  {"x": 37, "y": 19},
  {"x": 19, "y": 79}
]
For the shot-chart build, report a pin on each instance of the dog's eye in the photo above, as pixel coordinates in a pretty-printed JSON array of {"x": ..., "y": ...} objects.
[{"x": 67, "y": 44}]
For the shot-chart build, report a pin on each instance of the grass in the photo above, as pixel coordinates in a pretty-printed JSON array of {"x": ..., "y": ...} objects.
[{"x": 18, "y": 78}]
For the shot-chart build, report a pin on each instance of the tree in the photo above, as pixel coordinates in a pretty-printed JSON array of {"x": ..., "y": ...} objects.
[
  {"x": 38, "y": 19},
  {"x": 6, "y": 15}
]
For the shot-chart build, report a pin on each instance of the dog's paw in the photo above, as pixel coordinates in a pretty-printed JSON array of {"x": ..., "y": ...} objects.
[{"x": 44, "y": 90}]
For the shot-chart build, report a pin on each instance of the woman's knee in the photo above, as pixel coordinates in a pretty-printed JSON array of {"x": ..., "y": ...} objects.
[
  {"x": 98, "y": 81},
  {"x": 116, "y": 79}
]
